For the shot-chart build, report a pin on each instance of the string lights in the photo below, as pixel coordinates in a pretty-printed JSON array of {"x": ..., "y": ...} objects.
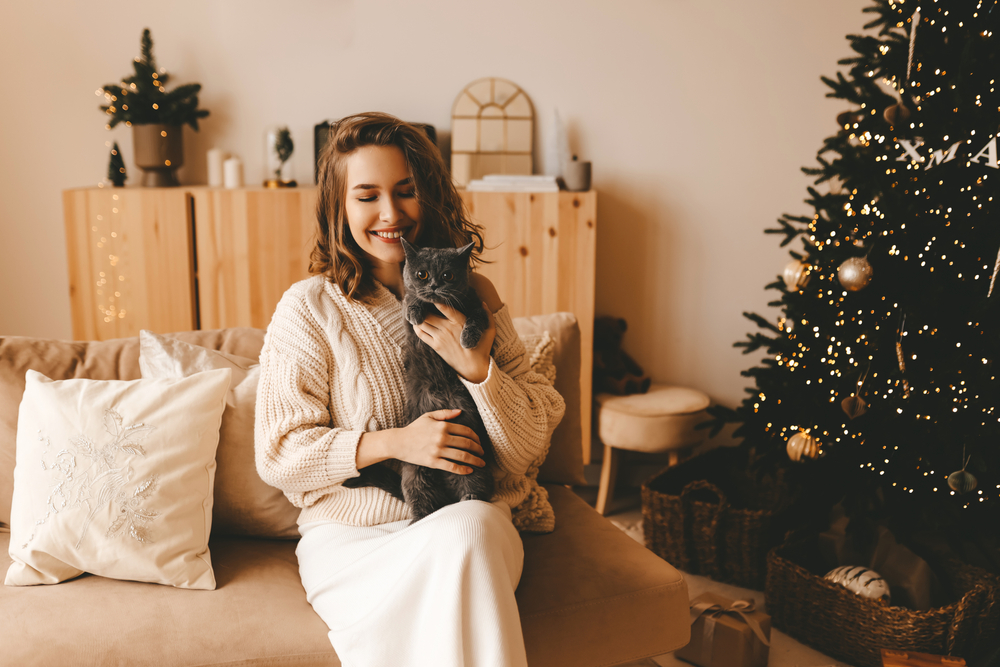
[{"x": 110, "y": 280}]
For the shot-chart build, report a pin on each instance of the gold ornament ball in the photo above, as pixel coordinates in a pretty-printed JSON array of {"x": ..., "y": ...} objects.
[
  {"x": 796, "y": 275},
  {"x": 802, "y": 445},
  {"x": 962, "y": 481},
  {"x": 855, "y": 274}
]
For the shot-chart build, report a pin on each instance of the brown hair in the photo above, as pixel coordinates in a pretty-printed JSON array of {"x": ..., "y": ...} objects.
[{"x": 445, "y": 223}]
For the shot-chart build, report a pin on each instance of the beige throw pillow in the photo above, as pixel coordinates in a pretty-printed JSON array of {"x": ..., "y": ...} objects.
[
  {"x": 564, "y": 463},
  {"x": 115, "y": 478},
  {"x": 535, "y": 513},
  {"x": 244, "y": 504}
]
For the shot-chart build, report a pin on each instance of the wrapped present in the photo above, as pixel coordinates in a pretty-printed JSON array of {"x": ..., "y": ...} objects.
[
  {"x": 892, "y": 658},
  {"x": 727, "y": 633}
]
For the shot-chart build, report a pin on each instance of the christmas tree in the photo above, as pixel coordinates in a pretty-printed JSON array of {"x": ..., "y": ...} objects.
[
  {"x": 116, "y": 167},
  {"x": 881, "y": 373},
  {"x": 143, "y": 98}
]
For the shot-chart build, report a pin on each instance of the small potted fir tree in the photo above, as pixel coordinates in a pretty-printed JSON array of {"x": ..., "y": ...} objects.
[{"x": 156, "y": 116}]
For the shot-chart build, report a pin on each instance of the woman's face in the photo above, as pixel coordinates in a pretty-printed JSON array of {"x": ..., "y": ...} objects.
[{"x": 381, "y": 203}]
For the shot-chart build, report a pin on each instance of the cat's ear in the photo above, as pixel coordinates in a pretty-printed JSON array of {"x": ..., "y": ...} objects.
[
  {"x": 466, "y": 251},
  {"x": 408, "y": 249}
]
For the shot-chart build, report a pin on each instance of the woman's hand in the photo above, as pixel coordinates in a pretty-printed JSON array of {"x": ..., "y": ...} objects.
[
  {"x": 432, "y": 442},
  {"x": 444, "y": 335}
]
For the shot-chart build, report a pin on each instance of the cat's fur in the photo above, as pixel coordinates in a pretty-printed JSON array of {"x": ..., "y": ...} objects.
[{"x": 437, "y": 275}]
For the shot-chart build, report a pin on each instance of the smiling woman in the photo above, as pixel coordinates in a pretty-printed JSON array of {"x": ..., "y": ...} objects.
[{"x": 332, "y": 402}]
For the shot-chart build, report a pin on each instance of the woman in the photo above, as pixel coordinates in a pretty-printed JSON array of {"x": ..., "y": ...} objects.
[{"x": 330, "y": 403}]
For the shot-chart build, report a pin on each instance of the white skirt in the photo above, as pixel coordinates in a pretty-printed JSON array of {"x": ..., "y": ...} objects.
[{"x": 438, "y": 593}]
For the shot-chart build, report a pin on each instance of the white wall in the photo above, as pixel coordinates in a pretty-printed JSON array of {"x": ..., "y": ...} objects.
[{"x": 697, "y": 117}]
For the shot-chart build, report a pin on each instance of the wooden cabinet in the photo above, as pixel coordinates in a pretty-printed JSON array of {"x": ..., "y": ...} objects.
[
  {"x": 130, "y": 261},
  {"x": 178, "y": 259}
]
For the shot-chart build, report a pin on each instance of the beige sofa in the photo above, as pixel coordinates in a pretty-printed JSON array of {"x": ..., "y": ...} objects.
[{"x": 588, "y": 596}]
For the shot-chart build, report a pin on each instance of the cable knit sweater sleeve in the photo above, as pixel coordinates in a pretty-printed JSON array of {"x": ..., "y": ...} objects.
[
  {"x": 297, "y": 448},
  {"x": 519, "y": 407}
]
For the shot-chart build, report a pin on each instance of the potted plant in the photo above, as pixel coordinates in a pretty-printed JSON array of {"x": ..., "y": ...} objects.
[{"x": 156, "y": 116}]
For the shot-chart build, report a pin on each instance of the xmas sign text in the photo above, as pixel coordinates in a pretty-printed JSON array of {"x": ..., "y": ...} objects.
[{"x": 987, "y": 153}]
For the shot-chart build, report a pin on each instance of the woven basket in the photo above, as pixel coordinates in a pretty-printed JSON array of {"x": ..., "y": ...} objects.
[
  {"x": 851, "y": 628},
  {"x": 708, "y": 516}
]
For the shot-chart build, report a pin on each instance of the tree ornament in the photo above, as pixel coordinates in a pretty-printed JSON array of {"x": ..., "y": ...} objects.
[
  {"x": 962, "y": 481},
  {"x": 855, "y": 274},
  {"x": 796, "y": 275},
  {"x": 861, "y": 581},
  {"x": 802, "y": 445},
  {"x": 836, "y": 185},
  {"x": 854, "y": 406},
  {"x": 993, "y": 279},
  {"x": 116, "y": 168},
  {"x": 902, "y": 367},
  {"x": 897, "y": 114}
]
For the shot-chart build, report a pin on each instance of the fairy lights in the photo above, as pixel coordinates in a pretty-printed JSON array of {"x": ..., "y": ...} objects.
[{"x": 109, "y": 280}]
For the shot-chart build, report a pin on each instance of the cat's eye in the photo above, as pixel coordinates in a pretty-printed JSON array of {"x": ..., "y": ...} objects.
[
  {"x": 422, "y": 275},
  {"x": 448, "y": 275}
]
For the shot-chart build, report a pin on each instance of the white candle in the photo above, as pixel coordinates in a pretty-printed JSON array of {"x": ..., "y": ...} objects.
[
  {"x": 233, "y": 169},
  {"x": 216, "y": 156}
]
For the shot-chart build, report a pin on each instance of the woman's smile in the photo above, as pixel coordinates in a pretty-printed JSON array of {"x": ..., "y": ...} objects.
[{"x": 389, "y": 235}]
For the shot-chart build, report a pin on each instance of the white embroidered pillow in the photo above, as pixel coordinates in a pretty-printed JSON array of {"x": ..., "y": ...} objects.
[
  {"x": 244, "y": 504},
  {"x": 115, "y": 478}
]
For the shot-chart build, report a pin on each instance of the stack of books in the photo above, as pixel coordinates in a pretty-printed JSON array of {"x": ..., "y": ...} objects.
[{"x": 514, "y": 183}]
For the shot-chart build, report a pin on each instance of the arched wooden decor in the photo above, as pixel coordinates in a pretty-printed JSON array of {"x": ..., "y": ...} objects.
[{"x": 492, "y": 130}]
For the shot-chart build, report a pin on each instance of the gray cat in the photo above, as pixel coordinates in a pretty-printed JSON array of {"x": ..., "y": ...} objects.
[{"x": 436, "y": 275}]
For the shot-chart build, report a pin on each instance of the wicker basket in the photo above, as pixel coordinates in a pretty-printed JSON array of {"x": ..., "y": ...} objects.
[
  {"x": 708, "y": 516},
  {"x": 848, "y": 627}
]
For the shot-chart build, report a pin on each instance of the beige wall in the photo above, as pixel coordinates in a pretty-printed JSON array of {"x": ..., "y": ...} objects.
[{"x": 697, "y": 116}]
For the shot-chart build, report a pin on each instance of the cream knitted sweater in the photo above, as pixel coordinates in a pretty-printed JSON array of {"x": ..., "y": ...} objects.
[{"x": 332, "y": 369}]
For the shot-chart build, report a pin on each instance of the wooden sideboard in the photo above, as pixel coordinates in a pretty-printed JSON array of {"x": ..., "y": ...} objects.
[{"x": 185, "y": 258}]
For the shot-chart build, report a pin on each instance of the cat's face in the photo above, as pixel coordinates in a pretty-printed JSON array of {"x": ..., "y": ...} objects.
[{"x": 437, "y": 275}]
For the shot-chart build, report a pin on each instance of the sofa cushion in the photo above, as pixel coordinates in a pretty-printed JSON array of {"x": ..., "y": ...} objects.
[
  {"x": 115, "y": 477},
  {"x": 258, "y": 615},
  {"x": 589, "y": 596},
  {"x": 244, "y": 503},
  {"x": 98, "y": 360},
  {"x": 564, "y": 463}
]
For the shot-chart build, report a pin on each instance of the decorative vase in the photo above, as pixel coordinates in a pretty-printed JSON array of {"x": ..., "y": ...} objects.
[
  {"x": 278, "y": 148},
  {"x": 159, "y": 150},
  {"x": 576, "y": 175}
]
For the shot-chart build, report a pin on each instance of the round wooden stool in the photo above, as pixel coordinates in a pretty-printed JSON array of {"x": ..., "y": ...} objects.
[{"x": 663, "y": 419}]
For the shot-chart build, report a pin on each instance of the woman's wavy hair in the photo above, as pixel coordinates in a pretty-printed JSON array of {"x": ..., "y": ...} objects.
[{"x": 445, "y": 222}]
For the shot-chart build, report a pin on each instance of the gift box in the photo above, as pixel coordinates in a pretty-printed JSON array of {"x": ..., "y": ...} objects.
[{"x": 727, "y": 633}]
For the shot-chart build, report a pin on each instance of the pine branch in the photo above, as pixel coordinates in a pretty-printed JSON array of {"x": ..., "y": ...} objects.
[{"x": 147, "y": 50}]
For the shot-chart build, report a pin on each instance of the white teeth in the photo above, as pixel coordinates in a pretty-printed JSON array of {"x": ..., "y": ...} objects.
[{"x": 389, "y": 235}]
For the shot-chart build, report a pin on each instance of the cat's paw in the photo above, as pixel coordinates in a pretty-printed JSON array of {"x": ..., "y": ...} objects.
[
  {"x": 414, "y": 316},
  {"x": 470, "y": 337}
]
